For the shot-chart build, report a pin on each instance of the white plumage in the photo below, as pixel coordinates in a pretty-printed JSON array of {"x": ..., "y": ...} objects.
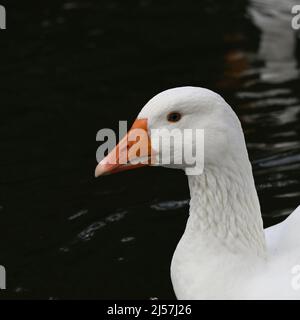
[{"x": 224, "y": 252}]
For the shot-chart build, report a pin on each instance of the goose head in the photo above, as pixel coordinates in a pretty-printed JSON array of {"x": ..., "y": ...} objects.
[
  {"x": 178, "y": 113},
  {"x": 224, "y": 225}
]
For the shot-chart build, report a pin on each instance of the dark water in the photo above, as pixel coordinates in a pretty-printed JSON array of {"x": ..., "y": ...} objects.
[{"x": 70, "y": 68}]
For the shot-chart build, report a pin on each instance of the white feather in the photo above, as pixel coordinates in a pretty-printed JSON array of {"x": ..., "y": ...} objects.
[{"x": 224, "y": 252}]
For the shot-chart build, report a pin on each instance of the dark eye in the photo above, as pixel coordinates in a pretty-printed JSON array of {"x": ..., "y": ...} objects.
[{"x": 174, "y": 116}]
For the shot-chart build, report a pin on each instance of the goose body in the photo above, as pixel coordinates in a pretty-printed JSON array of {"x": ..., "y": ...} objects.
[{"x": 224, "y": 252}]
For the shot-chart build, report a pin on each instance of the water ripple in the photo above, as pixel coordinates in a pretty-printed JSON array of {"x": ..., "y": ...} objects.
[
  {"x": 89, "y": 232},
  {"x": 170, "y": 205}
]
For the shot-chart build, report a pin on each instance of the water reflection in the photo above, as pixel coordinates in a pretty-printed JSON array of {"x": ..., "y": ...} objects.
[
  {"x": 262, "y": 85},
  {"x": 277, "y": 45}
]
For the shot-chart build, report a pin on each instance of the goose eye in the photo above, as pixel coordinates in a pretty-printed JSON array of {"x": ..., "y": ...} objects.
[{"x": 174, "y": 116}]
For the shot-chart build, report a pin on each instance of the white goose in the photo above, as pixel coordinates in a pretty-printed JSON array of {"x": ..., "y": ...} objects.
[{"x": 224, "y": 252}]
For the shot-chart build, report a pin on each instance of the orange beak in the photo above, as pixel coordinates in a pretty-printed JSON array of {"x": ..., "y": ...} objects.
[{"x": 133, "y": 151}]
